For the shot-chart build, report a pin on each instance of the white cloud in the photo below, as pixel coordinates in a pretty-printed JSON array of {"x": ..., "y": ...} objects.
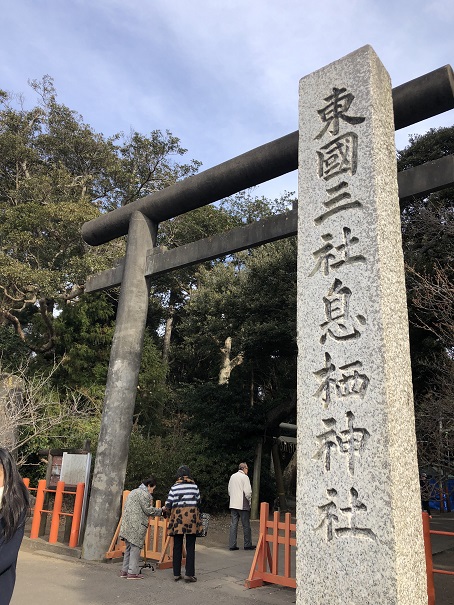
[{"x": 222, "y": 76}]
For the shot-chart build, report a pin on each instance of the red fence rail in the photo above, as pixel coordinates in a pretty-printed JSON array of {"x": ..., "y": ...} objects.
[
  {"x": 158, "y": 545},
  {"x": 429, "y": 561},
  {"x": 56, "y": 512},
  {"x": 282, "y": 537}
]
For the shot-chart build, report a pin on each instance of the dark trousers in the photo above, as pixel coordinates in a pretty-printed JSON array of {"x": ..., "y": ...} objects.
[
  {"x": 426, "y": 506},
  {"x": 235, "y": 516},
  {"x": 178, "y": 554}
]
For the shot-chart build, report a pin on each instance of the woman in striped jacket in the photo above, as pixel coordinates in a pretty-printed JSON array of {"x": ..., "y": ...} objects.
[{"x": 182, "y": 505}]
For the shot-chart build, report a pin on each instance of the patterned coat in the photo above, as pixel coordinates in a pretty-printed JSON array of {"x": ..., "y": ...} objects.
[
  {"x": 183, "y": 502},
  {"x": 137, "y": 509}
]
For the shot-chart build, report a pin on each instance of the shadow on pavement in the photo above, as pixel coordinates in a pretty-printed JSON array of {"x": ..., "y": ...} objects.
[{"x": 48, "y": 574}]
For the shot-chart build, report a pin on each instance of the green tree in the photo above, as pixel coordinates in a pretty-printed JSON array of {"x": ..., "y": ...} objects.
[
  {"x": 35, "y": 412},
  {"x": 85, "y": 330},
  {"x": 428, "y": 233},
  {"x": 174, "y": 289},
  {"x": 56, "y": 172},
  {"x": 14, "y": 353},
  {"x": 181, "y": 286},
  {"x": 251, "y": 301},
  {"x": 428, "y": 239}
]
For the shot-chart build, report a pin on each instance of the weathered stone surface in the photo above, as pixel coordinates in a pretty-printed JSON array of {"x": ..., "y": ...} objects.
[
  {"x": 121, "y": 389},
  {"x": 359, "y": 527}
]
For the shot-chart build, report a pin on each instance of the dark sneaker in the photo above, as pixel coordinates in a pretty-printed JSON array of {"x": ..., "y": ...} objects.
[
  {"x": 249, "y": 548},
  {"x": 234, "y": 548},
  {"x": 190, "y": 579},
  {"x": 123, "y": 574},
  {"x": 134, "y": 576}
]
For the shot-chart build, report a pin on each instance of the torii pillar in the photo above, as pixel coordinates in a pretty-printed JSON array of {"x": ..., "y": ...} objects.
[{"x": 122, "y": 379}]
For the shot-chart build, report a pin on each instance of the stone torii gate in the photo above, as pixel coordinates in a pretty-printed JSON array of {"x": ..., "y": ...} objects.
[{"x": 414, "y": 101}]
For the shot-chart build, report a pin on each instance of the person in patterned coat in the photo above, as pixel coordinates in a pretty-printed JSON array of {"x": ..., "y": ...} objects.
[
  {"x": 134, "y": 523},
  {"x": 182, "y": 505}
]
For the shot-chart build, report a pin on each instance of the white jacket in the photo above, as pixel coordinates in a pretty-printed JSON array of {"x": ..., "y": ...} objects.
[{"x": 240, "y": 491}]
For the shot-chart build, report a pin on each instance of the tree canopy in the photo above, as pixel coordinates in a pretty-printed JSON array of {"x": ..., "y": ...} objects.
[
  {"x": 218, "y": 372},
  {"x": 56, "y": 172},
  {"x": 428, "y": 238}
]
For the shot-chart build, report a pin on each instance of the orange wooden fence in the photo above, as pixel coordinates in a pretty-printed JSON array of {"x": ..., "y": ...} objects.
[
  {"x": 56, "y": 513},
  {"x": 429, "y": 561},
  {"x": 281, "y": 536},
  {"x": 158, "y": 545}
]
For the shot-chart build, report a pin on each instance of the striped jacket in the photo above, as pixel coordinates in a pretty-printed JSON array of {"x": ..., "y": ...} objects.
[{"x": 183, "y": 502}]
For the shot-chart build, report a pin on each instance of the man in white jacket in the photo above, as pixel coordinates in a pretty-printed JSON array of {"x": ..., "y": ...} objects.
[{"x": 240, "y": 493}]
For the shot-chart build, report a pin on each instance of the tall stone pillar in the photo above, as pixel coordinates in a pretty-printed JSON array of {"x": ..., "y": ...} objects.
[
  {"x": 120, "y": 396},
  {"x": 359, "y": 529}
]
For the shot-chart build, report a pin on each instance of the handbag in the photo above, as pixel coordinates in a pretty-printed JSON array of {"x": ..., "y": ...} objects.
[{"x": 205, "y": 520}]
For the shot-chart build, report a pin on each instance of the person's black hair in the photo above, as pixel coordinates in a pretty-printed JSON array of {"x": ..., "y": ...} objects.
[
  {"x": 183, "y": 471},
  {"x": 15, "y": 496},
  {"x": 151, "y": 481}
]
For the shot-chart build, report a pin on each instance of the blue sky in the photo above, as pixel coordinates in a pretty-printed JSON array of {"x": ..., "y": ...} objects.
[{"x": 222, "y": 76}]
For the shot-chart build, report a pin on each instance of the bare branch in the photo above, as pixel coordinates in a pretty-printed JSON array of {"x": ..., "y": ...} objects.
[
  {"x": 433, "y": 301},
  {"x": 16, "y": 324},
  {"x": 30, "y": 406},
  {"x": 434, "y": 415}
]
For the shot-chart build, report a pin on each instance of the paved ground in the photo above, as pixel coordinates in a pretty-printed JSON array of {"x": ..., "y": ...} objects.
[
  {"x": 443, "y": 557},
  {"x": 46, "y": 577}
]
